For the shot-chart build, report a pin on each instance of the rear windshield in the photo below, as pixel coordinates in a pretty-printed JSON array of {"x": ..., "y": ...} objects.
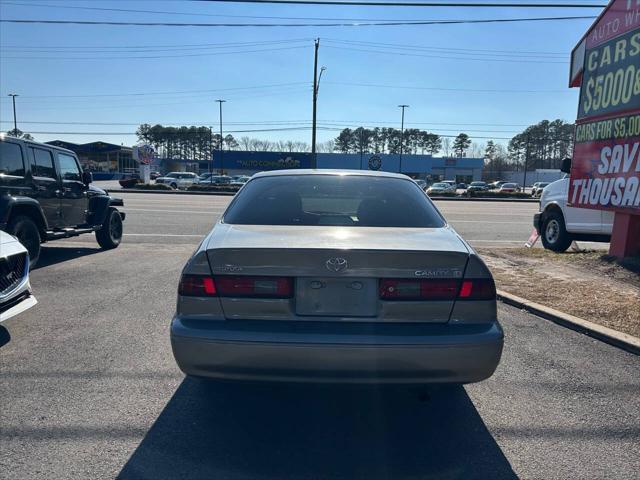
[{"x": 333, "y": 200}]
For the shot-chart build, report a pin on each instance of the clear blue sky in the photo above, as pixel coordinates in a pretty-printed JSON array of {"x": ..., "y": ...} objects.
[{"x": 72, "y": 60}]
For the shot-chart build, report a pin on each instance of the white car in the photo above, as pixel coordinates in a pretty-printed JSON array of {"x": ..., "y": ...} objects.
[
  {"x": 559, "y": 224},
  {"x": 178, "y": 179},
  {"x": 15, "y": 289}
]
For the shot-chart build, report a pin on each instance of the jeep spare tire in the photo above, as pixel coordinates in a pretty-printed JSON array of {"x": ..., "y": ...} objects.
[
  {"x": 25, "y": 230},
  {"x": 110, "y": 234}
]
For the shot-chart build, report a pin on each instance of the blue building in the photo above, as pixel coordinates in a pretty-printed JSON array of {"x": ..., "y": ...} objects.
[{"x": 417, "y": 166}]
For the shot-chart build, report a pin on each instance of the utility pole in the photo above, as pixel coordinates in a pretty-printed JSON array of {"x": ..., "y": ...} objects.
[
  {"x": 526, "y": 161},
  {"x": 316, "y": 87},
  {"x": 211, "y": 157},
  {"x": 402, "y": 135},
  {"x": 15, "y": 123},
  {"x": 221, "y": 137}
]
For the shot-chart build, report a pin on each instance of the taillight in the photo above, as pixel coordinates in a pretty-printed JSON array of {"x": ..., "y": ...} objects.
[
  {"x": 437, "y": 289},
  {"x": 418, "y": 289},
  {"x": 197, "y": 286},
  {"x": 256, "y": 287},
  {"x": 478, "y": 289}
]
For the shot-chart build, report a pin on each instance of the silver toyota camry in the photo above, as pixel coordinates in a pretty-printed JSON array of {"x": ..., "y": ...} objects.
[{"x": 336, "y": 276}]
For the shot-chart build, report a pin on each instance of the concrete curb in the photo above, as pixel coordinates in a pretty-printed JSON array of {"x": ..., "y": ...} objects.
[
  {"x": 455, "y": 199},
  {"x": 612, "y": 337}
]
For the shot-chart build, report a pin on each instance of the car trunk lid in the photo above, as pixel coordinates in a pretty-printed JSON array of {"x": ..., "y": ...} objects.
[{"x": 331, "y": 280}]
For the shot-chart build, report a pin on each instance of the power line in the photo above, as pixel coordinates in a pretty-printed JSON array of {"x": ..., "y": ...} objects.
[
  {"x": 149, "y": 57},
  {"x": 157, "y": 47},
  {"x": 475, "y": 90},
  {"x": 411, "y": 4},
  {"x": 475, "y": 51},
  {"x": 406, "y": 54},
  {"x": 333, "y": 129},
  {"x": 198, "y": 14},
  {"x": 268, "y": 122},
  {"x": 136, "y": 94},
  {"x": 266, "y": 25}
]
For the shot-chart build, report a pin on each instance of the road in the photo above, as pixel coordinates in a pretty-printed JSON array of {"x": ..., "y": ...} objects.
[
  {"x": 90, "y": 389},
  {"x": 481, "y": 223}
]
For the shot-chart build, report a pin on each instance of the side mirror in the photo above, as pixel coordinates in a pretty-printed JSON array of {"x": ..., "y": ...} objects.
[
  {"x": 566, "y": 165},
  {"x": 87, "y": 177}
]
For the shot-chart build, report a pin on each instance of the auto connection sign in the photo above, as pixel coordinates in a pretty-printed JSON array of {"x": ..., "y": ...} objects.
[{"x": 605, "y": 171}]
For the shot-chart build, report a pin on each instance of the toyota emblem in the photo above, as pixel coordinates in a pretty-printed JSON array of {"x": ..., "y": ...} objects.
[{"x": 337, "y": 264}]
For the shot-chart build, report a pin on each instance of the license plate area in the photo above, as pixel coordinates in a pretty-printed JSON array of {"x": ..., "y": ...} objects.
[{"x": 337, "y": 297}]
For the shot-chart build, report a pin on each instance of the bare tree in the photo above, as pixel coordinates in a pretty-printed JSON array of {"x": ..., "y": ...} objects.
[{"x": 446, "y": 146}]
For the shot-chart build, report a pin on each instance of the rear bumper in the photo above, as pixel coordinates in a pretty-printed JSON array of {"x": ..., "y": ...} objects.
[{"x": 442, "y": 354}]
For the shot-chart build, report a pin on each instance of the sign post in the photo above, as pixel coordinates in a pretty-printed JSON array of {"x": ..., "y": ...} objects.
[
  {"x": 605, "y": 171},
  {"x": 144, "y": 154}
]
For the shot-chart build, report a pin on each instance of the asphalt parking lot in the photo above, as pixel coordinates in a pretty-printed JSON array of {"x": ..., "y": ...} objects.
[{"x": 90, "y": 389}]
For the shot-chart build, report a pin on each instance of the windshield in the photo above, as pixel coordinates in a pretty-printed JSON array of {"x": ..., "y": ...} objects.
[
  {"x": 478, "y": 184},
  {"x": 440, "y": 185},
  {"x": 333, "y": 200}
]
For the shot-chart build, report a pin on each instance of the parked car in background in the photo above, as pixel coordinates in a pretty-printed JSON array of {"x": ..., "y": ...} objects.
[
  {"x": 478, "y": 187},
  {"x": 178, "y": 179},
  {"x": 441, "y": 187},
  {"x": 213, "y": 179},
  {"x": 536, "y": 189},
  {"x": 384, "y": 291},
  {"x": 421, "y": 183},
  {"x": 15, "y": 289},
  {"x": 45, "y": 195},
  {"x": 239, "y": 181},
  {"x": 154, "y": 175},
  {"x": 509, "y": 188},
  {"x": 453, "y": 183},
  {"x": 462, "y": 186},
  {"x": 497, "y": 184}
]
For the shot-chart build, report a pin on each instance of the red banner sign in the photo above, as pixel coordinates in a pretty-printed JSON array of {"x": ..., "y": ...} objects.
[{"x": 605, "y": 172}]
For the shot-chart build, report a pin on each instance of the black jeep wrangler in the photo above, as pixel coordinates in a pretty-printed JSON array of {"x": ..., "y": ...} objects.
[{"x": 45, "y": 195}]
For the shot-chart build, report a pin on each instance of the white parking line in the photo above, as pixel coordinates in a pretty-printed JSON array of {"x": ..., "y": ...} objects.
[
  {"x": 207, "y": 212},
  {"x": 163, "y": 235},
  {"x": 488, "y": 222}
]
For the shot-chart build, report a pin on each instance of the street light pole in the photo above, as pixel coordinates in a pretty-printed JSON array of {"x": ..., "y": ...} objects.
[
  {"x": 15, "y": 123},
  {"x": 315, "y": 103},
  {"x": 221, "y": 138},
  {"x": 402, "y": 135}
]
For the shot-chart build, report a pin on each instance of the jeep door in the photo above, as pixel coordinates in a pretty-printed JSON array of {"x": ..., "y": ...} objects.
[
  {"x": 46, "y": 184},
  {"x": 12, "y": 171},
  {"x": 74, "y": 201}
]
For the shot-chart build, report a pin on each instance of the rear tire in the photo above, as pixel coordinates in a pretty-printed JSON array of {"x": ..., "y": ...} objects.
[
  {"x": 554, "y": 233},
  {"x": 110, "y": 235},
  {"x": 26, "y": 230}
]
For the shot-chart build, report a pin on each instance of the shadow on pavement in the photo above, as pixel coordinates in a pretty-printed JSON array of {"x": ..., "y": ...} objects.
[
  {"x": 218, "y": 430},
  {"x": 53, "y": 255}
]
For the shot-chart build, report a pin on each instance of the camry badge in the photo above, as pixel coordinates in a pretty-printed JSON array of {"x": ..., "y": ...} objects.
[{"x": 336, "y": 264}]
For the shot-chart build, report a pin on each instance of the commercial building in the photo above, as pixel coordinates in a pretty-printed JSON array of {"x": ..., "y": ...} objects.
[
  {"x": 418, "y": 166},
  {"x": 105, "y": 160}
]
